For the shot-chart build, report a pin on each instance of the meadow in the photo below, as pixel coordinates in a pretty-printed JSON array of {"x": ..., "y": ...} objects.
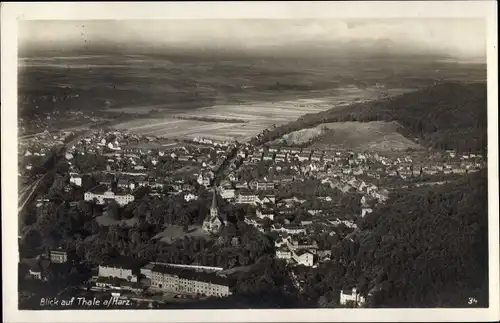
[{"x": 361, "y": 136}]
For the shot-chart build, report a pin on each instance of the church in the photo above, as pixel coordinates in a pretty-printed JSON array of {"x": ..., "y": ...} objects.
[{"x": 213, "y": 223}]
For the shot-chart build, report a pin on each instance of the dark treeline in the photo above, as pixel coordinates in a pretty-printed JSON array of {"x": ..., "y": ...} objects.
[{"x": 444, "y": 116}]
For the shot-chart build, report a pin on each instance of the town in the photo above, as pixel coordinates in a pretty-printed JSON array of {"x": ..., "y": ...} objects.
[{"x": 306, "y": 200}]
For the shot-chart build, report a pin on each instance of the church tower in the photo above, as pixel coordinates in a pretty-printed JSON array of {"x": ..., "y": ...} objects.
[
  {"x": 214, "y": 212},
  {"x": 212, "y": 223}
]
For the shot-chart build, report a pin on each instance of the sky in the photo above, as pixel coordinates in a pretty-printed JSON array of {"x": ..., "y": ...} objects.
[{"x": 453, "y": 37}]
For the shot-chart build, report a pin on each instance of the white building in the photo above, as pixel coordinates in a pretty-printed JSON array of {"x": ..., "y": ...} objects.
[
  {"x": 283, "y": 254},
  {"x": 227, "y": 193},
  {"x": 246, "y": 198},
  {"x": 347, "y": 296},
  {"x": 265, "y": 213},
  {"x": 117, "y": 271},
  {"x": 106, "y": 196},
  {"x": 75, "y": 179},
  {"x": 304, "y": 257},
  {"x": 365, "y": 211},
  {"x": 203, "y": 180},
  {"x": 190, "y": 197}
]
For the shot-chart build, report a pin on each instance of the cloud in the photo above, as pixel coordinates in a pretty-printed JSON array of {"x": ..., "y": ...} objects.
[{"x": 451, "y": 36}]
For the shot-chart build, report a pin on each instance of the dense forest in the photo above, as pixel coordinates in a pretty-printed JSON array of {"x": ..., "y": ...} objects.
[{"x": 444, "y": 116}]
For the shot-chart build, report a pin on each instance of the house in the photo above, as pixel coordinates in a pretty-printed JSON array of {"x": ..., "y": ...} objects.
[
  {"x": 75, "y": 179},
  {"x": 283, "y": 253},
  {"x": 348, "y": 296},
  {"x": 303, "y": 157},
  {"x": 203, "y": 180},
  {"x": 184, "y": 158},
  {"x": 58, "y": 256},
  {"x": 317, "y": 156},
  {"x": 256, "y": 157},
  {"x": 365, "y": 211},
  {"x": 190, "y": 197},
  {"x": 241, "y": 153},
  {"x": 303, "y": 245},
  {"x": 246, "y": 197},
  {"x": 280, "y": 157},
  {"x": 324, "y": 254},
  {"x": 122, "y": 183},
  {"x": 291, "y": 229},
  {"x": 268, "y": 156},
  {"x": 304, "y": 257},
  {"x": 36, "y": 273},
  {"x": 314, "y": 212},
  {"x": 242, "y": 185},
  {"x": 266, "y": 199},
  {"x": 263, "y": 186},
  {"x": 263, "y": 213},
  {"x": 227, "y": 193}
]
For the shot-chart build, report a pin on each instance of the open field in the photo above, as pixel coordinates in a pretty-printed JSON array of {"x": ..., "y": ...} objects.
[
  {"x": 174, "y": 232},
  {"x": 258, "y": 116},
  {"x": 364, "y": 136}
]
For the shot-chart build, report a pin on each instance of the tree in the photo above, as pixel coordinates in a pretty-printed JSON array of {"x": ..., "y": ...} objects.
[{"x": 113, "y": 210}]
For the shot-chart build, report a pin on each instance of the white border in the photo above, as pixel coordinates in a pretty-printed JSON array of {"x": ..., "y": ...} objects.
[{"x": 217, "y": 10}]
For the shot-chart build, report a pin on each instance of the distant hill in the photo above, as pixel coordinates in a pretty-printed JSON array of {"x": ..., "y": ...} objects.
[{"x": 445, "y": 116}]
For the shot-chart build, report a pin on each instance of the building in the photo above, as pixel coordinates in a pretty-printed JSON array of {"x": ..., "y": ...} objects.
[
  {"x": 280, "y": 157},
  {"x": 256, "y": 157},
  {"x": 263, "y": 213},
  {"x": 122, "y": 271},
  {"x": 226, "y": 193},
  {"x": 263, "y": 186},
  {"x": 190, "y": 197},
  {"x": 58, "y": 256},
  {"x": 266, "y": 199},
  {"x": 106, "y": 283},
  {"x": 291, "y": 229},
  {"x": 246, "y": 197},
  {"x": 203, "y": 180},
  {"x": 348, "y": 296},
  {"x": 268, "y": 156},
  {"x": 317, "y": 156},
  {"x": 185, "y": 281},
  {"x": 303, "y": 157},
  {"x": 122, "y": 183},
  {"x": 283, "y": 253},
  {"x": 75, "y": 179},
  {"x": 104, "y": 197},
  {"x": 304, "y": 257},
  {"x": 212, "y": 223}
]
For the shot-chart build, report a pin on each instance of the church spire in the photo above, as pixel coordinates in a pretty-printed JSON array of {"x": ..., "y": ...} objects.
[{"x": 214, "y": 200}]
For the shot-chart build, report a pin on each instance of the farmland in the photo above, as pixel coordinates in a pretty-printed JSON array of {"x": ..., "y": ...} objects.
[{"x": 258, "y": 115}]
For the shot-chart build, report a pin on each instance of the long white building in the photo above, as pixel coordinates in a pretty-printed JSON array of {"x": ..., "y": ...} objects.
[{"x": 102, "y": 198}]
